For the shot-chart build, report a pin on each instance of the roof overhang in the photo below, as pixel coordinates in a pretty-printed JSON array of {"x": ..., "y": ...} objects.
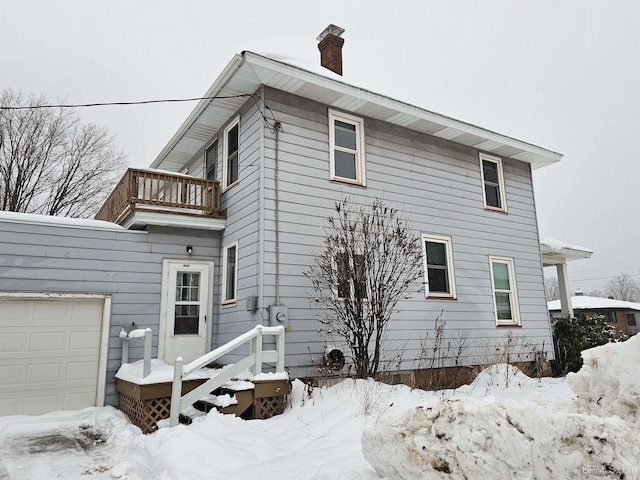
[
  {"x": 555, "y": 252},
  {"x": 248, "y": 71}
]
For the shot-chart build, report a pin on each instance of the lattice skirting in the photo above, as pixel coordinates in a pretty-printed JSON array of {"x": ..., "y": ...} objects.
[
  {"x": 145, "y": 413},
  {"x": 267, "y": 407}
]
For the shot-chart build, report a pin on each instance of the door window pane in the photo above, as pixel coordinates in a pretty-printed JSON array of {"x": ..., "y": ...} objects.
[{"x": 187, "y": 307}]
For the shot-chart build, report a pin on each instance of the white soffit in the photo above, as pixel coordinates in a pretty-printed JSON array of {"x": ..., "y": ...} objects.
[{"x": 246, "y": 72}]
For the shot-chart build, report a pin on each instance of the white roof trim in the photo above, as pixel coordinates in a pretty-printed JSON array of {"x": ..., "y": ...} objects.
[{"x": 261, "y": 70}]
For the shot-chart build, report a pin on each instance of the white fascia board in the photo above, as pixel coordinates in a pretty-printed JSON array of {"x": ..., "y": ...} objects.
[
  {"x": 224, "y": 78},
  {"x": 164, "y": 219},
  {"x": 547, "y": 156}
]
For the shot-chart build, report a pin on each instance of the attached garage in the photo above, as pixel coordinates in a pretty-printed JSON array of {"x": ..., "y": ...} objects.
[{"x": 53, "y": 350}]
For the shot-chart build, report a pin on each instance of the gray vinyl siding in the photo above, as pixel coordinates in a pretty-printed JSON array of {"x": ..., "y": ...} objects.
[
  {"x": 61, "y": 258},
  {"x": 242, "y": 205},
  {"x": 437, "y": 184}
]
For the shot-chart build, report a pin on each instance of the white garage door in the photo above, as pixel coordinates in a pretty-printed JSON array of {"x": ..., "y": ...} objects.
[{"x": 49, "y": 354}]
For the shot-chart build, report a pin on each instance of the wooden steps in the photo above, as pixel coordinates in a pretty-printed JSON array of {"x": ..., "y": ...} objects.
[{"x": 248, "y": 400}]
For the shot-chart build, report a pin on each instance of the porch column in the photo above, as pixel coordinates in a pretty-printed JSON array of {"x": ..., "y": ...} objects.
[{"x": 565, "y": 292}]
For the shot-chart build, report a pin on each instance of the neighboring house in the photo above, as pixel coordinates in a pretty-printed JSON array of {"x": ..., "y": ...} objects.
[
  {"x": 206, "y": 253},
  {"x": 624, "y": 315}
]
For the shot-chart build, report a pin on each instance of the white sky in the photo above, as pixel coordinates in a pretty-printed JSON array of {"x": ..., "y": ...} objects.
[{"x": 561, "y": 75}]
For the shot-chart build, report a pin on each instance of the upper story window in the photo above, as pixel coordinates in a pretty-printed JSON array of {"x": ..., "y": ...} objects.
[
  {"x": 230, "y": 165},
  {"x": 438, "y": 266},
  {"x": 346, "y": 148},
  {"x": 504, "y": 291},
  {"x": 230, "y": 273},
  {"x": 210, "y": 159},
  {"x": 492, "y": 182},
  {"x": 351, "y": 276}
]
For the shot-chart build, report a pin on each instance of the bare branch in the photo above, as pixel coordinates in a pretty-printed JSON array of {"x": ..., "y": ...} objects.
[{"x": 52, "y": 164}]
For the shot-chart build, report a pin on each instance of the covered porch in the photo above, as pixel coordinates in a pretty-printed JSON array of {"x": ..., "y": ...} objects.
[{"x": 557, "y": 253}]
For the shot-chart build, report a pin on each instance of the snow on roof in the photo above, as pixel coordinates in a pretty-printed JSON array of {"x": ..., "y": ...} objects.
[
  {"x": 247, "y": 71},
  {"x": 552, "y": 247},
  {"x": 583, "y": 302},
  {"x": 34, "y": 219}
]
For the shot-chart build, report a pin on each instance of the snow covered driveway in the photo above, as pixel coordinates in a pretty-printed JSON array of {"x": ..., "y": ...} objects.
[{"x": 88, "y": 444}]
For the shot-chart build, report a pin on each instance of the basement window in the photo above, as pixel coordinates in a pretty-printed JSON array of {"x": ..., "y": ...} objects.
[{"x": 346, "y": 148}]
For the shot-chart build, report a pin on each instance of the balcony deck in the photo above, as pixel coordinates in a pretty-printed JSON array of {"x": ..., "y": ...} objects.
[{"x": 152, "y": 197}]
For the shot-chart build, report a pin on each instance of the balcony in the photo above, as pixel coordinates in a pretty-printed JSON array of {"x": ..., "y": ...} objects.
[{"x": 152, "y": 197}]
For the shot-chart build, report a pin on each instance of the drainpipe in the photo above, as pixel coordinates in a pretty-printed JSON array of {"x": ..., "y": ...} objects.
[
  {"x": 261, "y": 215},
  {"x": 278, "y": 127}
]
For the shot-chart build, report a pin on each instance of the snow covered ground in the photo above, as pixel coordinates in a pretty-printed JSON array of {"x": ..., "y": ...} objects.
[{"x": 528, "y": 429}]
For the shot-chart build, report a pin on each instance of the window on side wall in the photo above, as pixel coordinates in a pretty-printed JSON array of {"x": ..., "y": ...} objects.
[
  {"x": 231, "y": 154},
  {"x": 230, "y": 274},
  {"x": 351, "y": 276},
  {"x": 505, "y": 298},
  {"x": 346, "y": 148},
  {"x": 492, "y": 183},
  {"x": 210, "y": 158},
  {"x": 631, "y": 319},
  {"x": 438, "y": 266}
]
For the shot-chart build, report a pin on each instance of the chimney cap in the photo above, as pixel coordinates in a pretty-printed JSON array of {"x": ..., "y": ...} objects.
[{"x": 330, "y": 30}]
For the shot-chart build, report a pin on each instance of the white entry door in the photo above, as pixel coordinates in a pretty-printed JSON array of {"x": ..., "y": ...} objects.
[{"x": 185, "y": 310}]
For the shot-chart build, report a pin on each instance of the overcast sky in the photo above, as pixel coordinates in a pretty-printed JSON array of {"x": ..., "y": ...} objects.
[{"x": 562, "y": 75}]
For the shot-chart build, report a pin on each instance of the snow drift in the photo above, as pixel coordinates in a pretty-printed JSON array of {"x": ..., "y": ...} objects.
[{"x": 594, "y": 436}]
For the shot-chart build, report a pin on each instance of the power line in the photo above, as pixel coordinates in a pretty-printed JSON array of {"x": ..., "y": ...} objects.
[{"x": 107, "y": 104}]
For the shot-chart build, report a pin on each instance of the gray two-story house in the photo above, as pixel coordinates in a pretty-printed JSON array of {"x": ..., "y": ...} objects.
[{"x": 232, "y": 210}]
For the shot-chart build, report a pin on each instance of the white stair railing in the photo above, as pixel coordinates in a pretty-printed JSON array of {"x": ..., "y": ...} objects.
[{"x": 253, "y": 361}]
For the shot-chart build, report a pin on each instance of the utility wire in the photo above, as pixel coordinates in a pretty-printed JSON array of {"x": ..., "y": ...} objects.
[{"x": 107, "y": 104}]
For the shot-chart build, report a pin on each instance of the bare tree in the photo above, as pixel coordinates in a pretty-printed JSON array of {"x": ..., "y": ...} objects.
[
  {"x": 370, "y": 260},
  {"x": 51, "y": 163},
  {"x": 551, "y": 288},
  {"x": 623, "y": 287},
  {"x": 596, "y": 293}
]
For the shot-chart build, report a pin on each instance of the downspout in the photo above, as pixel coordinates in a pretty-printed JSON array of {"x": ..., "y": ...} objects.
[
  {"x": 278, "y": 127},
  {"x": 261, "y": 213}
]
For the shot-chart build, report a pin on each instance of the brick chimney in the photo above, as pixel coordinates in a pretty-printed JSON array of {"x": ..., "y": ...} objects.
[{"x": 330, "y": 47}]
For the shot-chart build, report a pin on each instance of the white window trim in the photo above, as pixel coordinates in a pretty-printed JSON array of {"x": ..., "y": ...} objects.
[
  {"x": 503, "y": 199},
  {"x": 513, "y": 293},
  {"x": 359, "y": 153},
  {"x": 234, "y": 300},
  {"x": 225, "y": 152},
  {"x": 427, "y": 237}
]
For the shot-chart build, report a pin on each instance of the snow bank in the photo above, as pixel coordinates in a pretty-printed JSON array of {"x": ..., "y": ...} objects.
[
  {"x": 595, "y": 435},
  {"x": 608, "y": 383}
]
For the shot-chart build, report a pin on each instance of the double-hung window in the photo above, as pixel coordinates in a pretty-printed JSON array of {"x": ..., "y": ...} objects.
[
  {"x": 505, "y": 297},
  {"x": 492, "y": 183},
  {"x": 210, "y": 159},
  {"x": 346, "y": 148},
  {"x": 351, "y": 276},
  {"x": 230, "y": 274},
  {"x": 230, "y": 165},
  {"x": 438, "y": 266}
]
